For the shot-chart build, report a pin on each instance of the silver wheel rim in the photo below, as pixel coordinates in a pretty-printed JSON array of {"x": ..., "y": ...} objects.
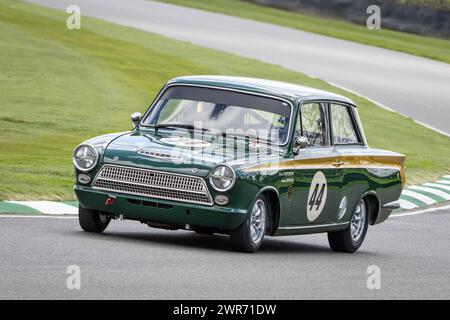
[
  {"x": 258, "y": 221},
  {"x": 358, "y": 221}
]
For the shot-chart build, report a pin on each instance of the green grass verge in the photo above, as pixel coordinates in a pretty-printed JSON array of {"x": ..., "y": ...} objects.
[
  {"x": 433, "y": 48},
  {"x": 59, "y": 87}
]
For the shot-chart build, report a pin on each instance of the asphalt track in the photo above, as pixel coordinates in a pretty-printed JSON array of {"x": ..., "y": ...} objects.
[
  {"x": 414, "y": 86},
  {"x": 132, "y": 261}
]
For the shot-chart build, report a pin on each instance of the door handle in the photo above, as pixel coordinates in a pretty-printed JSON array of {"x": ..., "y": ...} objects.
[{"x": 338, "y": 163}]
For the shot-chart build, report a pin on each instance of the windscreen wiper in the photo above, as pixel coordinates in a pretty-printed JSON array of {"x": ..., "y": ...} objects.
[{"x": 179, "y": 125}]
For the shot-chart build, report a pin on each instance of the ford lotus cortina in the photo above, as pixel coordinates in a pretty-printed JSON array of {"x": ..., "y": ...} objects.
[{"x": 244, "y": 157}]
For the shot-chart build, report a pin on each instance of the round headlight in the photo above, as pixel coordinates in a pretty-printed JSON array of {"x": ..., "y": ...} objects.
[
  {"x": 222, "y": 178},
  {"x": 85, "y": 157}
]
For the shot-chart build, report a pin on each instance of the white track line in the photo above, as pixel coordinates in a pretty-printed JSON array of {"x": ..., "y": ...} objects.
[
  {"x": 381, "y": 105},
  {"x": 437, "y": 185},
  {"x": 360, "y": 95},
  {"x": 36, "y": 216},
  {"x": 405, "y": 204},
  {"x": 419, "y": 196},
  {"x": 48, "y": 207},
  {"x": 398, "y": 215},
  {"x": 60, "y": 210},
  {"x": 434, "y": 191},
  {"x": 413, "y": 213}
]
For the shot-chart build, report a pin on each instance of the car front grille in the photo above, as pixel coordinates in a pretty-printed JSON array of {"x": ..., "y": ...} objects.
[{"x": 154, "y": 184}]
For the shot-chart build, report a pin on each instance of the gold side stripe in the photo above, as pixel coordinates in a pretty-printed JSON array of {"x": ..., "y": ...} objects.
[
  {"x": 305, "y": 167},
  {"x": 333, "y": 162}
]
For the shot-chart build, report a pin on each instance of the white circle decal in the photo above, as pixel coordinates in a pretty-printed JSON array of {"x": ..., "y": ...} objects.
[{"x": 317, "y": 196}]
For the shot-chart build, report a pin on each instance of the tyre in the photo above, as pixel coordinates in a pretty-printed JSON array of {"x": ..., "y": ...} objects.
[
  {"x": 91, "y": 220},
  {"x": 250, "y": 234},
  {"x": 351, "y": 238}
]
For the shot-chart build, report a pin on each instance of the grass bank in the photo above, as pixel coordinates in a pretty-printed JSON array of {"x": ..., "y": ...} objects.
[
  {"x": 433, "y": 48},
  {"x": 59, "y": 87}
]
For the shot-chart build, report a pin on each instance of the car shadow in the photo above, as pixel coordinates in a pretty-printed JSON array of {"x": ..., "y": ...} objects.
[{"x": 216, "y": 242}]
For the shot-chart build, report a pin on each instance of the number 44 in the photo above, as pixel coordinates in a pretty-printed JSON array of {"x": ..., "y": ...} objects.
[{"x": 316, "y": 196}]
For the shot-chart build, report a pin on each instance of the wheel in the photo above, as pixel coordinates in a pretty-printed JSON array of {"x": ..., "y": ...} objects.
[
  {"x": 92, "y": 220},
  {"x": 250, "y": 234},
  {"x": 350, "y": 239}
]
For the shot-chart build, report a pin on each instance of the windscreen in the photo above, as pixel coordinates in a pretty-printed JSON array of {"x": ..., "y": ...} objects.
[{"x": 222, "y": 111}]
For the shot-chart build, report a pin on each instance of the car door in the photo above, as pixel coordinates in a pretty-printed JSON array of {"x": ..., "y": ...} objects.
[
  {"x": 318, "y": 173},
  {"x": 348, "y": 139}
]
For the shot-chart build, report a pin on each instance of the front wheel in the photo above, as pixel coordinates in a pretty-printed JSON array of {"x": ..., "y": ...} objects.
[
  {"x": 250, "y": 234},
  {"x": 92, "y": 220},
  {"x": 351, "y": 238}
]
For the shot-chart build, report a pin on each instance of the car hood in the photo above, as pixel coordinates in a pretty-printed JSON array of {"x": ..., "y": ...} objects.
[{"x": 186, "y": 153}]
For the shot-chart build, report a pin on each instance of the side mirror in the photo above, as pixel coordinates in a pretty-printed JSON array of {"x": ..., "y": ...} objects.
[
  {"x": 136, "y": 118},
  {"x": 300, "y": 143}
]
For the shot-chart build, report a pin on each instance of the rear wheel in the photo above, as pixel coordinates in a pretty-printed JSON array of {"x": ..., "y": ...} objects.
[
  {"x": 350, "y": 239},
  {"x": 250, "y": 234},
  {"x": 92, "y": 220}
]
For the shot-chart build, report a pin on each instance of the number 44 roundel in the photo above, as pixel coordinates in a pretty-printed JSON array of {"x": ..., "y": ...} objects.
[{"x": 317, "y": 196}]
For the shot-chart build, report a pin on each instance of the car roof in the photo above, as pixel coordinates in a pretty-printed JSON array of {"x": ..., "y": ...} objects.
[{"x": 284, "y": 90}]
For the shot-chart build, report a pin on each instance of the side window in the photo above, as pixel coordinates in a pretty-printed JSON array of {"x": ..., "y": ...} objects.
[
  {"x": 312, "y": 124},
  {"x": 342, "y": 127}
]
